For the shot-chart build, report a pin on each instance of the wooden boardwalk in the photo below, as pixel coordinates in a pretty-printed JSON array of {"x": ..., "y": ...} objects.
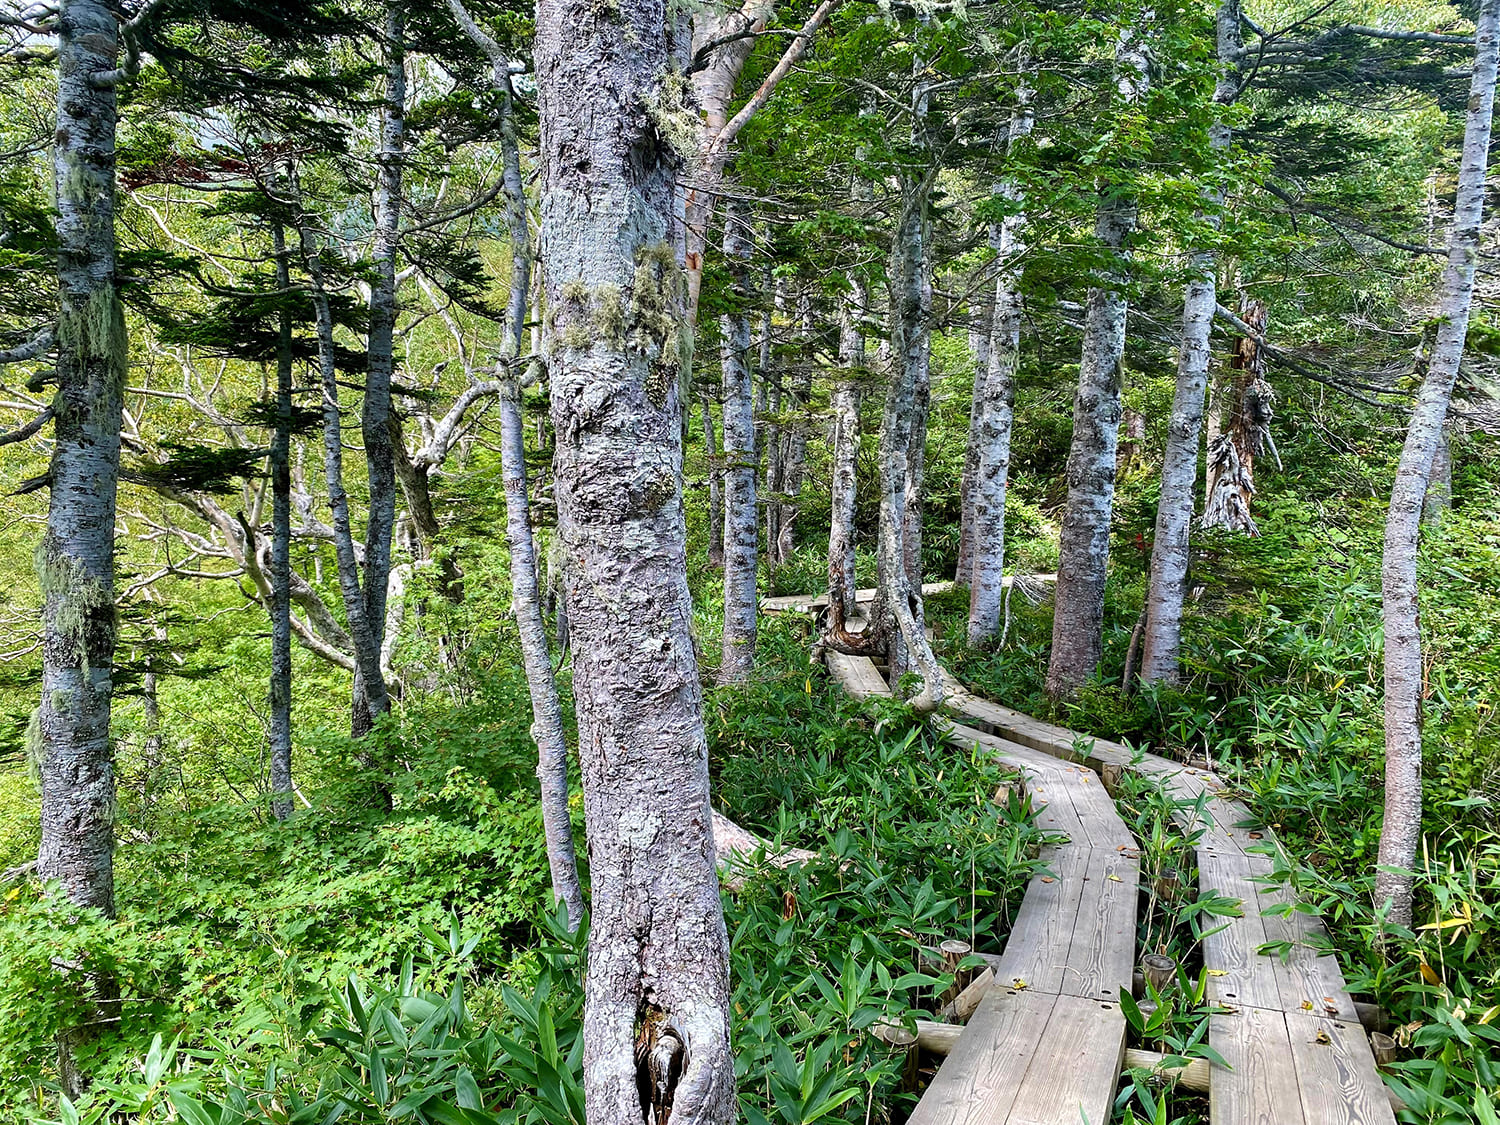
[
  {"x": 1045, "y": 1045},
  {"x": 1296, "y": 1051}
]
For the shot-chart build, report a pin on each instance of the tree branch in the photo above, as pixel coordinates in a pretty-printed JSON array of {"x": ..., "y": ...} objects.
[{"x": 31, "y": 427}]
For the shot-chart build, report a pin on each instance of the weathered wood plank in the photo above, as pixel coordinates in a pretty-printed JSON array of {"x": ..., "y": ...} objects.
[
  {"x": 1260, "y": 1085},
  {"x": 1011, "y": 753},
  {"x": 1101, "y": 949},
  {"x": 1036, "y": 951},
  {"x": 978, "y": 1083},
  {"x": 1238, "y": 976},
  {"x": 1310, "y": 981},
  {"x": 1076, "y": 1068},
  {"x": 805, "y": 603},
  {"x": 857, "y": 675},
  {"x": 1336, "y": 1073}
]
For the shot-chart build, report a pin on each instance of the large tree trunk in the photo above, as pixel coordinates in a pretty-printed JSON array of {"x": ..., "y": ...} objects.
[
  {"x": 841, "y": 555},
  {"x": 1162, "y": 637},
  {"x": 76, "y": 558},
  {"x": 995, "y": 404},
  {"x": 1402, "y": 828},
  {"x": 741, "y": 527},
  {"x": 376, "y": 414},
  {"x": 982, "y": 316},
  {"x": 1244, "y": 426},
  {"x": 900, "y": 608},
  {"x": 658, "y": 974},
  {"x": 280, "y": 729},
  {"x": 1078, "y": 619}
]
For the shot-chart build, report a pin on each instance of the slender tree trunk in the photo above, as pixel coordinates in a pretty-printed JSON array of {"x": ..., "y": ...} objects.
[
  {"x": 280, "y": 732},
  {"x": 841, "y": 555},
  {"x": 657, "y": 988},
  {"x": 773, "y": 431},
  {"x": 982, "y": 314},
  {"x": 741, "y": 526},
  {"x": 76, "y": 558},
  {"x": 370, "y": 692},
  {"x": 1161, "y": 641},
  {"x": 995, "y": 404},
  {"x": 715, "y": 485},
  {"x": 1402, "y": 828},
  {"x": 375, "y": 417},
  {"x": 1078, "y": 620},
  {"x": 795, "y": 461},
  {"x": 1245, "y": 424},
  {"x": 547, "y": 729}
]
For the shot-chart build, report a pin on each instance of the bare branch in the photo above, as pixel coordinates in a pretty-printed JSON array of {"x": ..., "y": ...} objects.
[
  {"x": 29, "y": 350},
  {"x": 31, "y": 427}
]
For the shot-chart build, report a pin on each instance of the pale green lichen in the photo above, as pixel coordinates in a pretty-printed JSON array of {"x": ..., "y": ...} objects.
[
  {"x": 35, "y": 747},
  {"x": 74, "y": 598},
  {"x": 97, "y": 331},
  {"x": 670, "y": 109}
]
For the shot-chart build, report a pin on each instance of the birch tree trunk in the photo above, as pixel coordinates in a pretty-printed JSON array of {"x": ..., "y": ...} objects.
[
  {"x": 1078, "y": 619},
  {"x": 995, "y": 405},
  {"x": 1161, "y": 640},
  {"x": 1440, "y": 483},
  {"x": 900, "y": 609},
  {"x": 841, "y": 556},
  {"x": 658, "y": 983},
  {"x": 715, "y": 485},
  {"x": 1402, "y": 827},
  {"x": 547, "y": 729},
  {"x": 75, "y": 561},
  {"x": 76, "y": 557},
  {"x": 376, "y": 413},
  {"x": 980, "y": 330},
  {"x": 280, "y": 730},
  {"x": 741, "y": 525}
]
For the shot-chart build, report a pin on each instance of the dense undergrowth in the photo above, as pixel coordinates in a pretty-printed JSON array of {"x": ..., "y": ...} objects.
[{"x": 401, "y": 964}]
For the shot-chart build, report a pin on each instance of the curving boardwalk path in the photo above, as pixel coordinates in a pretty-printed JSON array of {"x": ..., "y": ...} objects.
[{"x": 1046, "y": 1044}]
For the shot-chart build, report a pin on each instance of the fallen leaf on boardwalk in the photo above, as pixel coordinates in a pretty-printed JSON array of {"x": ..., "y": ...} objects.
[
  {"x": 1116, "y": 879},
  {"x": 1018, "y": 984},
  {"x": 1307, "y": 1005},
  {"x": 1218, "y": 972},
  {"x": 1322, "y": 1037},
  {"x": 1048, "y": 879}
]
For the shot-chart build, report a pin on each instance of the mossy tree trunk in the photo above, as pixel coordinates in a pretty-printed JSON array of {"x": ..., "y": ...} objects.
[{"x": 657, "y": 1001}]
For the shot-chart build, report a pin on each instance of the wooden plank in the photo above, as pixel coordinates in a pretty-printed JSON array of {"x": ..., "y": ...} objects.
[
  {"x": 979, "y": 1081},
  {"x": 857, "y": 675},
  {"x": 1012, "y": 753},
  {"x": 1102, "y": 825},
  {"x": 1076, "y": 1068},
  {"x": 1037, "y": 949},
  {"x": 806, "y": 603},
  {"x": 1260, "y": 1085},
  {"x": 1336, "y": 1073},
  {"x": 1101, "y": 948},
  {"x": 1052, "y": 798},
  {"x": 1238, "y": 976},
  {"x": 1310, "y": 981}
]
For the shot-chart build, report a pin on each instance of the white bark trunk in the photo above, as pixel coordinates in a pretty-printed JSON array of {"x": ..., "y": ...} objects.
[
  {"x": 741, "y": 526},
  {"x": 995, "y": 405},
  {"x": 843, "y": 487},
  {"x": 1402, "y": 827},
  {"x": 1162, "y": 638},
  {"x": 1078, "y": 620},
  {"x": 658, "y": 952},
  {"x": 279, "y": 734}
]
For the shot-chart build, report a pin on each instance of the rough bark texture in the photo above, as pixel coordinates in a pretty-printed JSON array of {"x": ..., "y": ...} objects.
[
  {"x": 900, "y": 608},
  {"x": 1078, "y": 620},
  {"x": 741, "y": 526},
  {"x": 841, "y": 555},
  {"x": 1402, "y": 828},
  {"x": 983, "y": 314},
  {"x": 280, "y": 728},
  {"x": 376, "y": 413},
  {"x": 1161, "y": 640},
  {"x": 1244, "y": 414},
  {"x": 1440, "y": 483},
  {"x": 994, "y": 403},
  {"x": 658, "y": 980},
  {"x": 75, "y": 562}
]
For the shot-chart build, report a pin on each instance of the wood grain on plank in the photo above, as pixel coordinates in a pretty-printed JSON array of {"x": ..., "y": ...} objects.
[
  {"x": 1101, "y": 948},
  {"x": 1336, "y": 1073},
  {"x": 1037, "y": 949},
  {"x": 979, "y": 1081},
  {"x": 1238, "y": 975},
  {"x": 1259, "y": 1087},
  {"x": 857, "y": 675},
  {"x": 1076, "y": 1068}
]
